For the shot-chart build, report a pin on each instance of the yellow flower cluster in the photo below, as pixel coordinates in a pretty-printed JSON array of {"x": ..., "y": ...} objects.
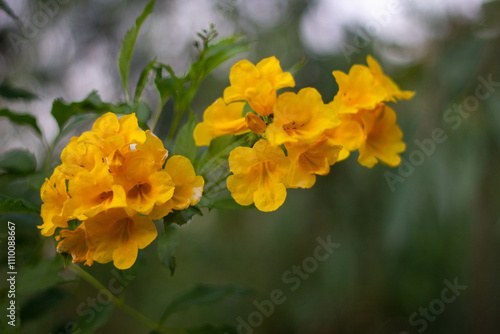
[
  {"x": 114, "y": 179},
  {"x": 301, "y": 135}
]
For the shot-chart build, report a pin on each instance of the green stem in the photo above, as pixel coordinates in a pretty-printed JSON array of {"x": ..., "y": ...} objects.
[{"x": 120, "y": 304}]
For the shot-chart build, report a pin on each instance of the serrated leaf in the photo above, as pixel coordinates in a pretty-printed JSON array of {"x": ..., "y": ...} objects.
[
  {"x": 16, "y": 205},
  {"x": 184, "y": 142},
  {"x": 201, "y": 295},
  {"x": 23, "y": 119},
  {"x": 166, "y": 86},
  {"x": 13, "y": 93},
  {"x": 62, "y": 111},
  {"x": 181, "y": 217},
  {"x": 18, "y": 161},
  {"x": 143, "y": 80},
  {"x": 128, "y": 43},
  {"x": 167, "y": 246}
]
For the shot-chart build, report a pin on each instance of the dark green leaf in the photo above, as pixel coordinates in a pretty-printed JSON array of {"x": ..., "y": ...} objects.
[
  {"x": 202, "y": 295},
  {"x": 181, "y": 217},
  {"x": 166, "y": 86},
  {"x": 219, "y": 150},
  {"x": 23, "y": 119},
  {"x": 39, "y": 277},
  {"x": 88, "y": 325},
  {"x": 128, "y": 43},
  {"x": 41, "y": 303},
  {"x": 18, "y": 162},
  {"x": 17, "y": 205},
  {"x": 10, "y": 12},
  {"x": 143, "y": 113},
  {"x": 223, "y": 50},
  {"x": 62, "y": 111},
  {"x": 167, "y": 245},
  {"x": 184, "y": 142},
  {"x": 12, "y": 93},
  {"x": 143, "y": 80},
  {"x": 228, "y": 203}
]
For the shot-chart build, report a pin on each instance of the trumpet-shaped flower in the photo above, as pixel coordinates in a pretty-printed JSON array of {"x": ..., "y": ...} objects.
[
  {"x": 392, "y": 90},
  {"x": 259, "y": 175},
  {"x": 383, "y": 137},
  {"x": 257, "y": 84},
  {"x": 93, "y": 192},
  {"x": 188, "y": 187},
  {"x": 309, "y": 160},
  {"x": 115, "y": 236},
  {"x": 365, "y": 87},
  {"x": 348, "y": 134},
  {"x": 300, "y": 117},
  {"x": 75, "y": 243},
  {"x": 220, "y": 119},
  {"x": 54, "y": 195}
]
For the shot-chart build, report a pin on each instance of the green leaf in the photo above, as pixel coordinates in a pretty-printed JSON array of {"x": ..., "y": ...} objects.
[
  {"x": 18, "y": 162},
  {"x": 167, "y": 245},
  {"x": 201, "y": 295},
  {"x": 143, "y": 113},
  {"x": 42, "y": 303},
  {"x": 62, "y": 111},
  {"x": 128, "y": 43},
  {"x": 16, "y": 205},
  {"x": 184, "y": 142},
  {"x": 143, "y": 80},
  {"x": 12, "y": 93},
  {"x": 89, "y": 325},
  {"x": 10, "y": 12},
  {"x": 166, "y": 86},
  {"x": 181, "y": 217},
  {"x": 219, "y": 150},
  {"x": 39, "y": 277},
  {"x": 223, "y": 50},
  {"x": 228, "y": 203},
  {"x": 23, "y": 119}
]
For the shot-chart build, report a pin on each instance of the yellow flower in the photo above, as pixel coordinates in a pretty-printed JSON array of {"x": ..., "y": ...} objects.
[
  {"x": 92, "y": 192},
  {"x": 255, "y": 123},
  {"x": 357, "y": 90},
  {"x": 114, "y": 236},
  {"x": 309, "y": 160},
  {"x": 188, "y": 187},
  {"x": 54, "y": 195},
  {"x": 392, "y": 90},
  {"x": 348, "y": 134},
  {"x": 109, "y": 133},
  {"x": 78, "y": 154},
  {"x": 300, "y": 117},
  {"x": 145, "y": 186},
  {"x": 365, "y": 87},
  {"x": 259, "y": 175},
  {"x": 220, "y": 119},
  {"x": 382, "y": 137},
  {"x": 75, "y": 243},
  {"x": 257, "y": 84}
]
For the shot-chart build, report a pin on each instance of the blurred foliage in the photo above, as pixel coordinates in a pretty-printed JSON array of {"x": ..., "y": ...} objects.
[{"x": 397, "y": 248}]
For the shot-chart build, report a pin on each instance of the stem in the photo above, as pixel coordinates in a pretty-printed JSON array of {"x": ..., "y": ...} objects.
[{"x": 120, "y": 304}]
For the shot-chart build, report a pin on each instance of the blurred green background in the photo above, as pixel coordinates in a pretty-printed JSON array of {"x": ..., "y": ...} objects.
[{"x": 399, "y": 242}]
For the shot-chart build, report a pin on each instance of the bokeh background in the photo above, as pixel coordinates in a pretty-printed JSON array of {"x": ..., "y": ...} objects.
[{"x": 399, "y": 241}]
